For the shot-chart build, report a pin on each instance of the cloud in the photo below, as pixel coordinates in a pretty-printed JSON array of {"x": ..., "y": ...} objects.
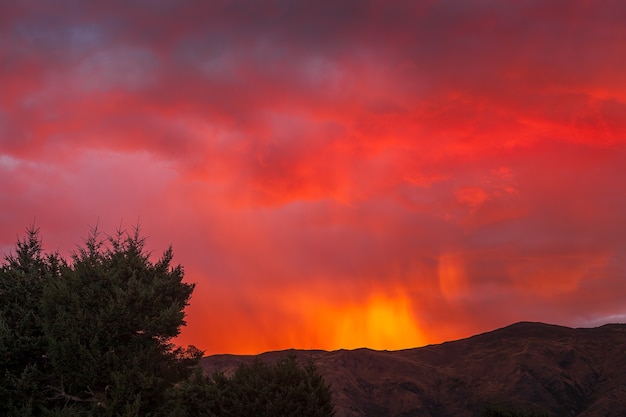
[{"x": 322, "y": 167}]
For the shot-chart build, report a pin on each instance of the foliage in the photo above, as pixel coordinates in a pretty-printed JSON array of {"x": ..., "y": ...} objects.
[
  {"x": 23, "y": 363},
  {"x": 91, "y": 336},
  {"x": 261, "y": 390}
]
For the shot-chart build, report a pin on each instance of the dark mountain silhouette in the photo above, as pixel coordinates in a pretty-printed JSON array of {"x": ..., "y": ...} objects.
[{"x": 530, "y": 366}]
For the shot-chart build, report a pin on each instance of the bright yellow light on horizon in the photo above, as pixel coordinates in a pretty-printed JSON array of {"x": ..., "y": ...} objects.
[{"x": 383, "y": 322}]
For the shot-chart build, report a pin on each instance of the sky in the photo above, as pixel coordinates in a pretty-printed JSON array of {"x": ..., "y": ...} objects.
[{"x": 331, "y": 174}]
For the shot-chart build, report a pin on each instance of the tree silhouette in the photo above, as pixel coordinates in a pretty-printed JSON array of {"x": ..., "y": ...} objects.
[
  {"x": 91, "y": 336},
  {"x": 285, "y": 389}
]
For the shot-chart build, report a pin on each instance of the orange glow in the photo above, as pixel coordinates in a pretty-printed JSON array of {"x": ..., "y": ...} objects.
[
  {"x": 306, "y": 320},
  {"x": 409, "y": 174},
  {"x": 382, "y": 322}
]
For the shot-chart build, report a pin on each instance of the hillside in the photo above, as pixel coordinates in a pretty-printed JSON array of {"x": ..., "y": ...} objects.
[{"x": 554, "y": 369}]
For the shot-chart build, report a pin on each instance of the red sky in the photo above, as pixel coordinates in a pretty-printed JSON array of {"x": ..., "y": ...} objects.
[{"x": 332, "y": 174}]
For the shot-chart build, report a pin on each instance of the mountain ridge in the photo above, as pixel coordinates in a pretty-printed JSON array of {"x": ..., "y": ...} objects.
[{"x": 553, "y": 369}]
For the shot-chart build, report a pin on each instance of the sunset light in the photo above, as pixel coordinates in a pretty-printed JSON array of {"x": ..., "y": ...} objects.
[
  {"x": 380, "y": 324},
  {"x": 331, "y": 174}
]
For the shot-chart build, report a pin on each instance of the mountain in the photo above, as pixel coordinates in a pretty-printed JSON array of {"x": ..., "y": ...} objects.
[{"x": 531, "y": 366}]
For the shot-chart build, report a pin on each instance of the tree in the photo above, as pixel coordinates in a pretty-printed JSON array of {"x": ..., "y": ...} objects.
[
  {"x": 92, "y": 336},
  {"x": 23, "y": 363},
  {"x": 285, "y": 389}
]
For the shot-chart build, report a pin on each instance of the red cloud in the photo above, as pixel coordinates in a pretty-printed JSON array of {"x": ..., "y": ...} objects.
[{"x": 331, "y": 174}]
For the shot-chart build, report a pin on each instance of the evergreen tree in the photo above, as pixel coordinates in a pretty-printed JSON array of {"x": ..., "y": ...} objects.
[
  {"x": 284, "y": 389},
  {"x": 23, "y": 362},
  {"x": 93, "y": 336}
]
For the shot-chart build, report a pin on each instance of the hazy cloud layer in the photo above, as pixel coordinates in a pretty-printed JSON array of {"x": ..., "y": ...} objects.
[{"x": 331, "y": 173}]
